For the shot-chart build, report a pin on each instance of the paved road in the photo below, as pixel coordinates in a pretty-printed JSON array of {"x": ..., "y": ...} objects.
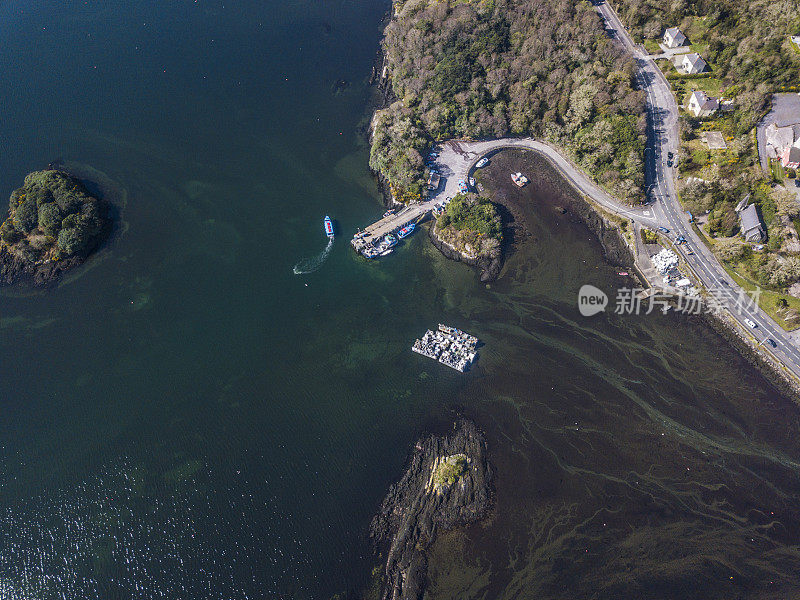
[
  {"x": 457, "y": 160},
  {"x": 663, "y": 138}
]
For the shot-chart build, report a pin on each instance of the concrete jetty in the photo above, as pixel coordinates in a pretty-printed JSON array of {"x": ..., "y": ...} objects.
[{"x": 408, "y": 214}]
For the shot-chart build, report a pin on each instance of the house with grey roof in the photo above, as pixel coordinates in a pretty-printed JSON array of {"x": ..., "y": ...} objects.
[
  {"x": 693, "y": 63},
  {"x": 673, "y": 38},
  {"x": 702, "y": 105},
  {"x": 752, "y": 229}
]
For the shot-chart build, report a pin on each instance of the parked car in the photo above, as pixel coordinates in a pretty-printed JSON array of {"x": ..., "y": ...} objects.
[
  {"x": 670, "y": 155},
  {"x": 669, "y": 163},
  {"x": 750, "y": 324},
  {"x": 797, "y": 182},
  {"x": 663, "y": 230},
  {"x": 772, "y": 343}
]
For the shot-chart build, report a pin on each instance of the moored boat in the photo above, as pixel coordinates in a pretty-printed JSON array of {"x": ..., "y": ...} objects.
[
  {"x": 472, "y": 182},
  {"x": 406, "y": 231},
  {"x": 390, "y": 240},
  {"x": 328, "y": 226},
  {"x": 388, "y": 213},
  {"x": 482, "y": 163},
  {"x": 519, "y": 179},
  {"x": 386, "y": 245}
]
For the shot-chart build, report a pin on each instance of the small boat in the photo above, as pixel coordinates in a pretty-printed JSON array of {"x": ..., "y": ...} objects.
[
  {"x": 472, "y": 182},
  {"x": 623, "y": 273},
  {"x": 406, "y": 231},
  {"x": 519, "y": 179},
  {"x": 328, "y": 226},
  {"x": 482, "y": 163},
  {"x": 388, "y": 213},
  {"x": 370, "y": 252},
  {"x": 385, "y": 246}
]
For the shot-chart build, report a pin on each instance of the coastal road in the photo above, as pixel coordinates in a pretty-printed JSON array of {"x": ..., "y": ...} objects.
[
  {"x": 457, "y": 160},
  {"x": 663, "y": 138}
]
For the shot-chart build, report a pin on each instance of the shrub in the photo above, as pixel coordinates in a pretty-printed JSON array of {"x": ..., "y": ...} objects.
[
  {"x": 8, "y": 233},
  {"x": 70, "y": 240},
  {"x": 649, "y": 236},
  {"x": 449, "y": 469},
  {"x": 50, "y": 218},
  {"x": 26, "y": 215}
]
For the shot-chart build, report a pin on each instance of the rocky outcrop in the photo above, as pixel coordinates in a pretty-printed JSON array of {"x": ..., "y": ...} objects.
[
  {"x": 489, "y": 267},
  {"x": 419, "y": 506},
  {"x": 14, "y": 269}
]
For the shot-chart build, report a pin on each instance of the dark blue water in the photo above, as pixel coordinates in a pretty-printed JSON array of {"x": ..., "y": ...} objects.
[{"x": 183, "y": 416}]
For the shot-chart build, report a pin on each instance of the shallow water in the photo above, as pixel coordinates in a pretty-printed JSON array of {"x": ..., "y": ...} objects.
[{"x": 185, "y": 417}]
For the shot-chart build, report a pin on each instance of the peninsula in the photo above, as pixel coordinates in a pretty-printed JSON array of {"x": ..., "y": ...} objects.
[{"x": 53, "y": 224}]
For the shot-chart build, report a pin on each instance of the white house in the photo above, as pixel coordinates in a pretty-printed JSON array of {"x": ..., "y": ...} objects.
[
  {"x": 673, "y": 38},
  {"x": 702, "y": 105},
  {"x": 693, "y": 63}
]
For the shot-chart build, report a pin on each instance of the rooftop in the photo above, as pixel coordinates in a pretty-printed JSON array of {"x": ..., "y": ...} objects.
[{"x": 750, "y": 220}]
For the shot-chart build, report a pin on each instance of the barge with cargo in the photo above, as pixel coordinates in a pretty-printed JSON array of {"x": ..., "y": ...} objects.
[{"x": 450, "y": 346}]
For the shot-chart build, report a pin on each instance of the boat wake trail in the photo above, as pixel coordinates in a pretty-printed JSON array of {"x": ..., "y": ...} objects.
[{"x": 309, "y": 265}]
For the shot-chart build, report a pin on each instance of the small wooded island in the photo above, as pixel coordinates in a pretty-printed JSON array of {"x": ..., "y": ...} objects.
[
  {"x": 53, "y": 224},
  {"x": 471, "y": 230}
]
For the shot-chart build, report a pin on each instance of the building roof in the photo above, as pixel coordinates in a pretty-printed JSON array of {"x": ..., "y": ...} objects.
[
  {"x": 696, "y": 61},
  {"x": 779, "y": 137},
  {"x": 750, "y": 220},
  {"x": 794, "y": 154},
  {"x": 676, "y": 34},
  {"x": 704, "y": 101}
]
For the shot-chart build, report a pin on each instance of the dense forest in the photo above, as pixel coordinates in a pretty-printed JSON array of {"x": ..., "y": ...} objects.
[
  {"x": 51, "y": 217},
  {"x": 491, "y": 68}
]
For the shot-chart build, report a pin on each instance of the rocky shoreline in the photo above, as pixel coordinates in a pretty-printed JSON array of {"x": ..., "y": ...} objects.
[
  {"x": 489, "y": 267},
  {"x": 423, "y": 504},
  {"x": 13, "y": 269}
]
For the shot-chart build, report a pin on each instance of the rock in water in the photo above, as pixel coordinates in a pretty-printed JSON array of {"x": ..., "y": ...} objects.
[{"x": 447, "y": 485}]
